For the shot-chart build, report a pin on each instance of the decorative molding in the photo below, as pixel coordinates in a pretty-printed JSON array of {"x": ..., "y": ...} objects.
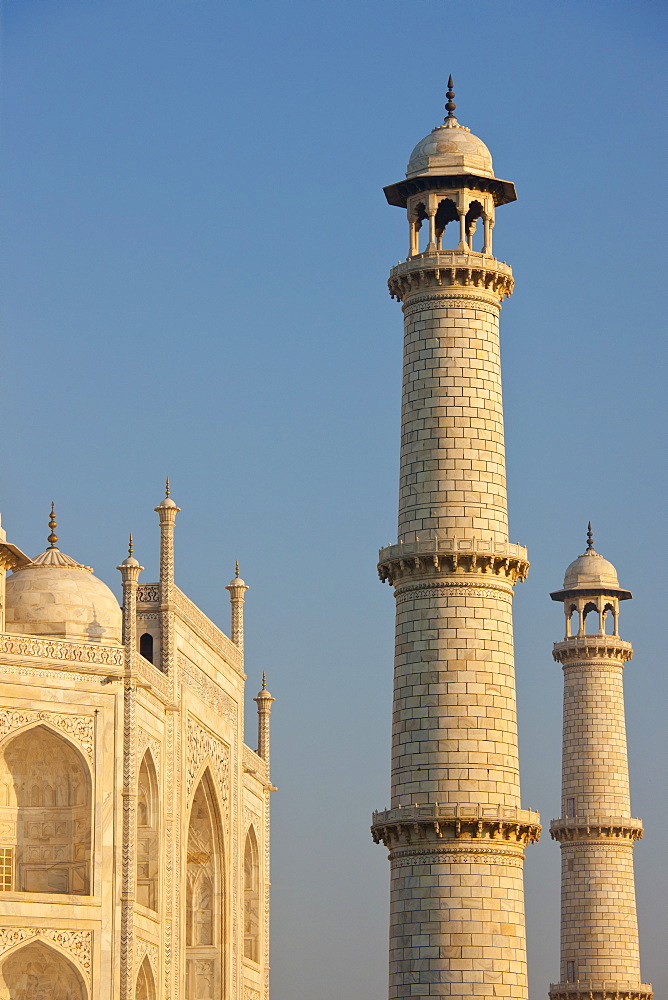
[
  {"x": 413, "y": 591},
  {"x": 405, "y": 858},
  {"x": 78, "y": 944},
  {"x": 254, "y": 764},
  {"x": 203, "y": 746},
  {"x": 210, "y": 693},
  {"x": 144, "y": 948},
  {"x": 79, "y": 728},
  {"x": 61, "y": 649},
  {"x": 250, "y": 993},
  {"x": 440, "y": 299}
]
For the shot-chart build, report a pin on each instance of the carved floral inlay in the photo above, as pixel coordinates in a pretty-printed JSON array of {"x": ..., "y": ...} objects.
[
  {"x": 204, "y": 746},
  {"x": 210, "y": 692},
  {"x": 78, "y": 944},
  {"x": 59, "y": 649},
  {"x": 80, "y": 728}
]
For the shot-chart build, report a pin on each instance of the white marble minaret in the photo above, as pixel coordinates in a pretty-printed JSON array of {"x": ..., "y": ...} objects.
[
  {"x": 599, "y": 931},
  {"x": 455, "y": 830}
]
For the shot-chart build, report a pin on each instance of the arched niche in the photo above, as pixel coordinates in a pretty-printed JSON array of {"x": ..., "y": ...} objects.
[
  {"x": 204, "y": 896},
  {"x": 45, "y": 796},
  {"x": 148, "y": 834},
  {"x": 251, "y": 898},
  {"x": 145, "y": 988},
  {"x": 37, "y": 971}
]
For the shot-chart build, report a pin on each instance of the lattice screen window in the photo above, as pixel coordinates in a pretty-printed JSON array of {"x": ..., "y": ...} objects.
[{"x": 6, "y": 869}]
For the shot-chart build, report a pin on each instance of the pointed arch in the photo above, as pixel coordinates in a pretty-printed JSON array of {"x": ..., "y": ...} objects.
[
  {"x": 205, "y": 911},
  {"x": 148, "y": 833},
  {"x": 251, "y": 897},
  {"x": 46, "y": 796},
  {"x": 38, "y": 970},
  {"x": 145, "y": 988}
]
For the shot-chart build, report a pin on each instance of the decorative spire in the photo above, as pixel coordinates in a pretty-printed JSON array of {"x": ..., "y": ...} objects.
[
  {"x": 53, "y": 538},
  {"x": 450, "y": 106},
  {"x": 264, "y": 680},
  {"x": 590, "y": 538},
  {"x": 236, "y": 569},
  {"x": 167, "y": 490},
  {"x": 131, "y": 547}
]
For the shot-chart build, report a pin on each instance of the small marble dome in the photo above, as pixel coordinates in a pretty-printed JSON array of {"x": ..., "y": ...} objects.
[
  {"x": 450, "y": 149},
  {"x": 591, "y": 570},
  {"x": 56, "y": 596}
]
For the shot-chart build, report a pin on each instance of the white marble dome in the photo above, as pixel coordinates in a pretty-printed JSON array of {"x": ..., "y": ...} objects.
[
  {"x": 591, "y": 570},
  {"x": 56, "y": 596},
  {"x": 450, "y": 149}
]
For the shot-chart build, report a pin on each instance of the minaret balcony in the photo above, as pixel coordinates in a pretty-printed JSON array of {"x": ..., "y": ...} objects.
[
  {"x": 596, "y": 989},
  {"x": 464, "y": 269},
  {"x": 437, "y": 822},
  {"x": 431, "y": 555},
  {"x": 581, "y": 648},
  {"x": 575, "y": 828}
]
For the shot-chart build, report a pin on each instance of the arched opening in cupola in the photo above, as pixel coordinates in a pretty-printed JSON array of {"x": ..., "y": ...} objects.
[
  {"x": 475, "y": 232},
  {"x": 572, "y": 622},
  {"x": 446, "y": 214},
  {"x": 592, "y": 619},
  {"x": 610, "y": 620}
]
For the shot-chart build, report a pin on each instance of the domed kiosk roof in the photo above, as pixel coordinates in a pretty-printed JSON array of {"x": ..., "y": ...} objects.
[
  {"x": 592, "y": 573},
  {"x": 54, "y": 595},
  {"x": 450, "y": 151}
]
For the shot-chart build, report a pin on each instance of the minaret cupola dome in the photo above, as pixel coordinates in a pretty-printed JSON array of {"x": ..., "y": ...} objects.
[
  {"x": 590, "y": 570},
  {"x": 54, "y": 595},
  {"x": 450, "y": 149}
]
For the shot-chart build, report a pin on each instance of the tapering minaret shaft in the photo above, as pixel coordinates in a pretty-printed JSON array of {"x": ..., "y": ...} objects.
[
  {"x": 263, "y": 701},
  {"x": 237, "y": 591},
  {"x": 455, "y": 829},
  {"x": 166, "y": 511},
  {"x": 599, "y": 931}
]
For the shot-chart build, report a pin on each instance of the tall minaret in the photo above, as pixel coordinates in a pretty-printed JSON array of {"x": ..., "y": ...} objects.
[
  {"x": 455, "y": 830},
  {"x": 599, "y": 931}
]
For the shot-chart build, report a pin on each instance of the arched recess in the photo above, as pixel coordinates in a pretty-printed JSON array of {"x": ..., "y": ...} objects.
[
  {"x": 45, "y": 796},
  {"x": 148, "y": 834},
  {"x": 251, "y": 898},
  {"x": 145, "y": 988},
  {"x": 592, "y": 619},
  {"x": 204, "y": 896},
  {"x": 446, "y": 213},
  {"x": 37, "y": 971}
]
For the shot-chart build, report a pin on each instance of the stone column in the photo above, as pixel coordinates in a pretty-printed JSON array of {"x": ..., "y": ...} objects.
[
  {"x": 263, "y": 701},
  {"x": 237, "y": 590},
  {"x": 130, "y": 570},
  {"x": 166, "y": 511},
  {"x": 599, "y": 931}
]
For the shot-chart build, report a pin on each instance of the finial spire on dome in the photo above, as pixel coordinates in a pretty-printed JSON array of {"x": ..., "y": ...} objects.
[
  {"x": 167, "y": 489},
  {"x": 236, "y": 569},
  {"x": 53, "y": 538},
  {"x": 264, "y": 680},
  {"x": 590, "y": 538},
  {"x": 131, "y": 547},
  {"x": 450, "y": 106}
]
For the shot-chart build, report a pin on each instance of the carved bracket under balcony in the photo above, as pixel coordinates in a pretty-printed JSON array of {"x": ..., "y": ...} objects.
[
  {"x": 436, "y": 822},
  {"x": 608, "y": 828},
  {"x": 592, "y": 647},
  {"x": 597, "y": 990},
  {"x": 448, "y": 268},
  {"x": 448, "y": 557}
]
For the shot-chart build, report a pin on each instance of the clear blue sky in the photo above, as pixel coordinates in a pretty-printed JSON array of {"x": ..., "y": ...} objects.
[{"x": 195, "y": 246}]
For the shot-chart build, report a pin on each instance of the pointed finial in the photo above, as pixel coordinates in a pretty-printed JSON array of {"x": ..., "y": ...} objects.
[
  {"x": 590, "y": 538},
  {"x": 450, "y": 106},
  {"x": 264, "y": 680},
  {"x": 167, "y": 490},
  {"x": 131, "y": 547},
  {"x": 236, "y": 569},
  {"x": 53, "y": 538}
]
